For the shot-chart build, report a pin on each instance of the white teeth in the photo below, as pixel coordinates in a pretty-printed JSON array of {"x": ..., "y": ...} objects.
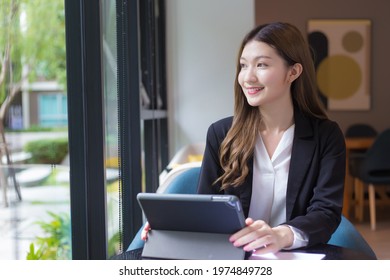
[{"x": 255, "y": 89}]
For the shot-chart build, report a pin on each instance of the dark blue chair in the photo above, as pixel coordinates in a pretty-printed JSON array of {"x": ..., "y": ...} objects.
[
  {"x": 375, "y": 172},
  {"x": 355, "y": 159},
  {"x": 361, "y": 130},
  {"x": 358, "y": 131},
  {"x": 346, "y": 234}
]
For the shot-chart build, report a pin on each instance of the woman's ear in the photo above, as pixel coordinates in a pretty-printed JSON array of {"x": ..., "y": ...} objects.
[{"x": 295, "y": 72}]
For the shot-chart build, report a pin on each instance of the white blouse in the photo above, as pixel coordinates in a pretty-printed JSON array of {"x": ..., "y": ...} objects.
[{"x": 270, "y": 175}]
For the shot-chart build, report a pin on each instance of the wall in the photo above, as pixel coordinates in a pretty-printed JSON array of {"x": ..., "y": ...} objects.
[
  {"x": 203, "y": 37},
  {"x": 299, "y": 12},
  {"x": 202, "y": 41}
]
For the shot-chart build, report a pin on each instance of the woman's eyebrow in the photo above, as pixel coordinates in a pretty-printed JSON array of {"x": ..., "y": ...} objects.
[{"x": 258, "y": 57}]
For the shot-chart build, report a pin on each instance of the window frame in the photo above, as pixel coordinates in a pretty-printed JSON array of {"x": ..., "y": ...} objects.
[{"x": 86, "y": 132}]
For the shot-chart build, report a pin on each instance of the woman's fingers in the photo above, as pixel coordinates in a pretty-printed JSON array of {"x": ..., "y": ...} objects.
[
  {"x": 144, "y": 233},
  {"x": 261, "y": 237},
  {"x": 260, "y": 243},
  {"x": 253, "y": 231}
]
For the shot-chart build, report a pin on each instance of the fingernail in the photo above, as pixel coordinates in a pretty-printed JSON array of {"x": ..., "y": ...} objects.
[{"x": 246, "y": 249}]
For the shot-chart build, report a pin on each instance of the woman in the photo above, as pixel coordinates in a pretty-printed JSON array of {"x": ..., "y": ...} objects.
[{"x": 279, "y": 153}]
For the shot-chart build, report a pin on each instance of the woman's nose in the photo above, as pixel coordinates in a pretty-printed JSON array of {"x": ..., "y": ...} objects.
[{"x": 250, "y": 75}]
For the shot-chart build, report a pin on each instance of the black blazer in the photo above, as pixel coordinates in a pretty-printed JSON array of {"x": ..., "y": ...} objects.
[{"x": 315, "y": 185}]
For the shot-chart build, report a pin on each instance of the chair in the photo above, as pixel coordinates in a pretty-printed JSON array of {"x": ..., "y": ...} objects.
[
  {"x": 185, "y": 183},
  {"x": 347, "y": 236},
  {"x": 166, "y": 181},
  {"x": 355, "y": 156},
  {"x": 361, "y": 130},
  {"x": 375, "y": 172}
]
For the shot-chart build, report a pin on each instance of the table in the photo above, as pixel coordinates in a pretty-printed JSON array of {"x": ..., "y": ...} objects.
[
  {"x": 352, "y": 143},
  {"x": 331, "y": 252}
]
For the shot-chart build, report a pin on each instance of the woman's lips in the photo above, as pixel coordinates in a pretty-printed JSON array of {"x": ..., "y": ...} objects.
[{"x": 254, "y": 90}]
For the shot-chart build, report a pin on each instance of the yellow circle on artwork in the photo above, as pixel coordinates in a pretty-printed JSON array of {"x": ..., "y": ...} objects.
[
  {"x": 352, "y": 41},
  {"x": 339, "y": 77}
]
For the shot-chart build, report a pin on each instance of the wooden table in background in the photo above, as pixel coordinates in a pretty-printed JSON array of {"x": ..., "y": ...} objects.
[{"x": 352, "y": 143}]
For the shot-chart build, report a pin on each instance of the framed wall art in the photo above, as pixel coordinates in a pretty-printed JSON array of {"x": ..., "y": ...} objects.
[{"x": 342, "y": 60}]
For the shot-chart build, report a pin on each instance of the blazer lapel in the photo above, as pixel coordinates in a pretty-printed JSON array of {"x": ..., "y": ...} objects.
[{"x": 301, "y": 158}]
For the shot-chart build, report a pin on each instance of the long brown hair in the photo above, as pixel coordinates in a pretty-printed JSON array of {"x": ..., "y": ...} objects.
[{"x": 237, "y": 148}]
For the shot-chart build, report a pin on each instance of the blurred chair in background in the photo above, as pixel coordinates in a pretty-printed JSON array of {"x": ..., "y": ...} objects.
[
  {"x": 361, "y": 130},
  {"x": 374, "y": 171},
  {"x": 355, "y": 156}
]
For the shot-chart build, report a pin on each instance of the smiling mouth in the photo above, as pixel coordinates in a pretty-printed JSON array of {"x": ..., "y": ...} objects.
[{"x": 254, "y": 90}]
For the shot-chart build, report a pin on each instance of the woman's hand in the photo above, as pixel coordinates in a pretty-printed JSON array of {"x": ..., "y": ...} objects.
[
  {"x": 259, "y": 236},
  {"x": 144, "y": 233}
]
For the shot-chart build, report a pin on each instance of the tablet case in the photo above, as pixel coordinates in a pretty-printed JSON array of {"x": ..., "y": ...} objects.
[{"x": 191, "y": 226}]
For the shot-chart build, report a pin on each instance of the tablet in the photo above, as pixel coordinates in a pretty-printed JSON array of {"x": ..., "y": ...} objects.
[{"x": 192, "y": 212}]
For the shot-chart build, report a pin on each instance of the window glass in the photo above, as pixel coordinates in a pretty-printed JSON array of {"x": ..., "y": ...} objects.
[
  {"x": 34, "y": 169},
  {"x": 111, "y": 125}
]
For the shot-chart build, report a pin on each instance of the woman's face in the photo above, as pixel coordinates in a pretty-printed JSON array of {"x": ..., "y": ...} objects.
[{"x": 264, "y": 77}]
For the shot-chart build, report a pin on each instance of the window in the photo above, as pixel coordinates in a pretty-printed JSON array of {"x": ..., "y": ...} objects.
[
  {"x": 34, "y": 175},
  {"x": 53, "y": 110},
  {"x": 114, "y": 141}
]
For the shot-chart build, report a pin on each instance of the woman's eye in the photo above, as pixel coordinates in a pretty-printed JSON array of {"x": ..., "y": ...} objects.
[
  {"x": 242, "y": 65},
  {"x": 261, "y": 65}
]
